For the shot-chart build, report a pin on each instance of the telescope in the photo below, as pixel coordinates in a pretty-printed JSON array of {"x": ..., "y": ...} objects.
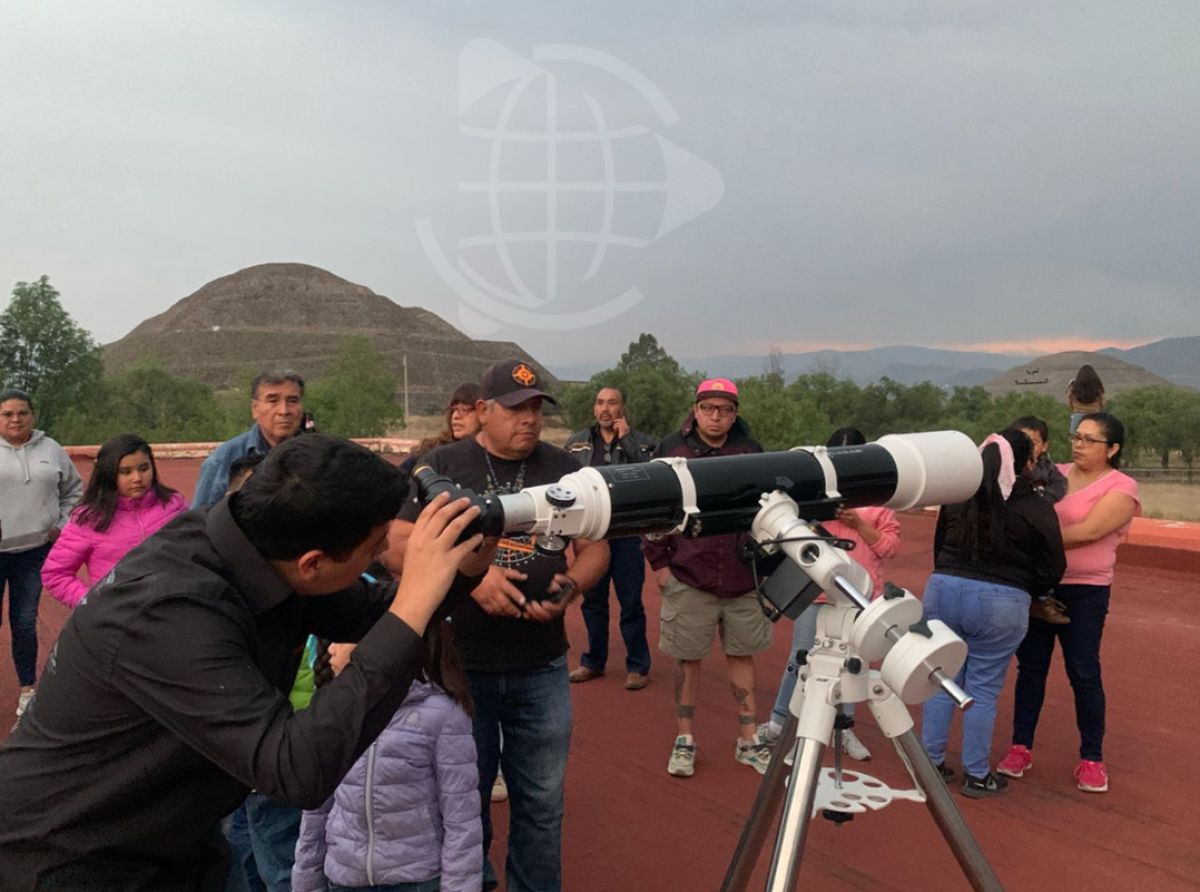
[{"x": 722, "y": 494}]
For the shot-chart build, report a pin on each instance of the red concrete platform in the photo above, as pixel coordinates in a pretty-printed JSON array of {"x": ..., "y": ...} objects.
[{"x": 630, "y": 826}]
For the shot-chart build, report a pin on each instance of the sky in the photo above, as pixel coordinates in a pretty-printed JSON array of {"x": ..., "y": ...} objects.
[{"x": 1019, "y": 177}]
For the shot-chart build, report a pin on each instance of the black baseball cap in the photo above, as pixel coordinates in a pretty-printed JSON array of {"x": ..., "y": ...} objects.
[{"x": 512, "y": 381}]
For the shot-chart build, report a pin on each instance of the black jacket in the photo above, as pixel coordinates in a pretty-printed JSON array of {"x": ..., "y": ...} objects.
[
  {"x": 165, "y": 702},
  {"x": 633, "y": 447},
  {"x": 1032, "y": 558}
]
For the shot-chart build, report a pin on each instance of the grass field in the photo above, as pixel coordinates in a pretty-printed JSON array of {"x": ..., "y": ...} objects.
[{"x": 1171, "y": 501}]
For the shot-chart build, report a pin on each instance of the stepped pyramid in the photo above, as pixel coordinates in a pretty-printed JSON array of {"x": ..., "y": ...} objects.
[{"x": 296, "y": 316}]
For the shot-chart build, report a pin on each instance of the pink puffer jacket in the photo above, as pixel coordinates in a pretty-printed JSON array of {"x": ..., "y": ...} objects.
[{"x": 80, "y": 544}]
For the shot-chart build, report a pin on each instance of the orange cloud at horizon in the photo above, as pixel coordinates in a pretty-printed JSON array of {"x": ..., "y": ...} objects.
[{"x": 1035, "y": 346}]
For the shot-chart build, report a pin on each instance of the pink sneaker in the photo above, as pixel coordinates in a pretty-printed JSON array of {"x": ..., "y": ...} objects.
[
  {"x": 1092, "y": 777},
  {"x": 1017, "y": 762}
]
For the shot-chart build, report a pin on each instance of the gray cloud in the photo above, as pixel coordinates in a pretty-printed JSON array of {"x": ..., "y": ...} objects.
[{"x": 922, "y": 172}]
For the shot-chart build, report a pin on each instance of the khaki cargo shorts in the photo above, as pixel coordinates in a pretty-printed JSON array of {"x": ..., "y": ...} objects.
[{"x": 690, "y": 616}]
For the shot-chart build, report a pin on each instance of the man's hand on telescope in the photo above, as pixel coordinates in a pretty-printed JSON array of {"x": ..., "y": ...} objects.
[
  {"x": 498, "y": 595},
  {"x": 433, "y": 558},
  {"x": 477, "y": 562}
]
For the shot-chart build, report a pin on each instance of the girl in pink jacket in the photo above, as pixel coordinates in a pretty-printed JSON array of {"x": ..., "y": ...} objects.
[{"x": 124, "y": 503}]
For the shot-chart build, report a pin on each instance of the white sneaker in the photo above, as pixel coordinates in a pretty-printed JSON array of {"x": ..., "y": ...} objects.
[
  {"x": 23, "y": 702},
  {"x": 853, "y": 747},
  {"x": 756, "y": 755},
  {"x": 683, "y": 756}
]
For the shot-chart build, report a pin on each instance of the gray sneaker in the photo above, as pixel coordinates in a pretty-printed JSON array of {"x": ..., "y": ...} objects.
[
  {"x": 766, "y": 735},
  {"x": 683, "y": 757},
  {"x": 757, "y": 755}
]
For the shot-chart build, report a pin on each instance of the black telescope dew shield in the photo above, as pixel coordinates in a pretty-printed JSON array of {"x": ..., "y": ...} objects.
[{"x": 710, "y": 496}]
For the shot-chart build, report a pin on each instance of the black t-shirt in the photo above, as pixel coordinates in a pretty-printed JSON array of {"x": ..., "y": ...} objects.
[{"x": 494, "y": 643}]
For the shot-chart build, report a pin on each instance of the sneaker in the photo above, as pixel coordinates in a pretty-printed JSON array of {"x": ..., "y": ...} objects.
[
  {"x": 757, "y": 754},
  {"x": 1017, "y": 762},
  {"x": 23, "y": 702},
  {"x": 946, "y": 772},
  {"x": 983, "y": 787},
  {"x": 1092, "y": 777},
  {"x": 499, "y": 789},
  {"x": 768, "y": 733},
  {"x": 1049, "y": 610},
  {"x": 853, "y": 747},
  {"x": 683, "y": 757}
]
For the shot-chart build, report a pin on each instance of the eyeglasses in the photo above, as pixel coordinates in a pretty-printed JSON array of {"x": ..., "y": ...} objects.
[
  {"x": 20, "y": 413},
  {"x": 1087, "y": 441},
  {"x": 461, "y": 410},
  {"x": 723, "y": 411}
]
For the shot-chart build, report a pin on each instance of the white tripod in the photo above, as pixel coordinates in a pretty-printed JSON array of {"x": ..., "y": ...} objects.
[{"x": 852, "y": 632}]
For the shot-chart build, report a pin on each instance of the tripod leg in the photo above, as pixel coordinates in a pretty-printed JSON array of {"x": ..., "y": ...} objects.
[
  {"x": 948, "y": 818},
  {"x": 762, "y": 814},
  {"x": 797, "y": 815}
]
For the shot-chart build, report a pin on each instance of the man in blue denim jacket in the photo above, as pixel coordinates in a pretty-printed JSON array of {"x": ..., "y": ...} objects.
[{"x": 277, "y": 406}]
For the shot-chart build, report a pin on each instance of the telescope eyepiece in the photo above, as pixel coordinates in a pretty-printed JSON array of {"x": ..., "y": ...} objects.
[{"x": 430, "y": 484}]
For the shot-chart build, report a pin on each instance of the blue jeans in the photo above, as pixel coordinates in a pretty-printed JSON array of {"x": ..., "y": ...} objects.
[
  {"x": 434, "y": 885},
  {"x": 1087, "y": 605},
  {"x": 534, "y": 712},
  {"x": 627, "y": 571},
  {"x": 991, "y": 619},
  {"x": 262, "y": 834},
  {"x": 22, "y": 571}
]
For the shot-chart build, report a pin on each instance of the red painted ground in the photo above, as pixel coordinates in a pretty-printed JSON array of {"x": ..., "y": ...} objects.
[{"x": 630, "y": 826}]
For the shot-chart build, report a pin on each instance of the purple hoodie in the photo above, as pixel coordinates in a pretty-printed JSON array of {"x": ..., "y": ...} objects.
[
  {"x": 408, "y": 811},
  {"x": 133, "y": 522}
]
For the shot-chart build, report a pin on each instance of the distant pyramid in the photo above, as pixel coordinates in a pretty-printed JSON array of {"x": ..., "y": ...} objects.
[
  {"x": 1052, "y": 373},
  {"x": 296, "y": 316}
]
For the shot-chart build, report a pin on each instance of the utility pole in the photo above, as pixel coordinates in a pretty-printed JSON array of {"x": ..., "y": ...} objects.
[{"x": 406, "y": 415}]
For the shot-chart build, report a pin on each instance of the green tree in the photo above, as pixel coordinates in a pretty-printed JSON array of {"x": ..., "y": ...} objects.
[
  {"x": 148, "y": 401},
  {"x": 658, "y": 390},
  {"x": 1161, "y": 419},
  {"x": 357, "y": 395},
  {"x": 835, "y": 397},
  {"x": 777, "y": 419},
  {"x": 45, "y": 352}
]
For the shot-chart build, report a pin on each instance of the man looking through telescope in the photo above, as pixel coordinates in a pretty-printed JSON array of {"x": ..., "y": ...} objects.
[
  {"x": 511, "y": 631},
  {"x": 165, "y": 700},
  {"x": 706, "y": 588}
]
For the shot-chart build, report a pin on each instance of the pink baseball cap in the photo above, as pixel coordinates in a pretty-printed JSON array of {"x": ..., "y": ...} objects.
[{"x": 718, "y": 387}]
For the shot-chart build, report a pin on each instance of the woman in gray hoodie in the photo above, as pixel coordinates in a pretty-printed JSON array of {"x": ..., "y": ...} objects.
[{"x": 39, "y": 487}]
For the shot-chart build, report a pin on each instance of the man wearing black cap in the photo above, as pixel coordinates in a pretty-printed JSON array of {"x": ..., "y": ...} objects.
[{"x": 511, "y": 631}]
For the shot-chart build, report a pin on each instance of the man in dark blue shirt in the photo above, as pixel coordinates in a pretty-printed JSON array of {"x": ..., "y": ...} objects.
[{"x": 165, "y": 700}]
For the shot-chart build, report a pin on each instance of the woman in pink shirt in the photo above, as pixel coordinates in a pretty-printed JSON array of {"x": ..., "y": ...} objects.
[
  {"x": 124, "y": 503},
  {"x": 1095, "y": 514}
]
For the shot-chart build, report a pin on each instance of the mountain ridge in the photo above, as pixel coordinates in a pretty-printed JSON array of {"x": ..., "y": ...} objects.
[{"x": 1175, "y": 359}]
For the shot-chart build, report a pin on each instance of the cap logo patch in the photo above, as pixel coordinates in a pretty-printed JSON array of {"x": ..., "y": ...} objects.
[
  {"x": 524, "y": 375},
  {"x": 716, "y": 385}
]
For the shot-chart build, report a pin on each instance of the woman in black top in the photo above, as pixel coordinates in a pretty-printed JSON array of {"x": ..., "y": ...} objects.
[{"x": 990, "y": 554}]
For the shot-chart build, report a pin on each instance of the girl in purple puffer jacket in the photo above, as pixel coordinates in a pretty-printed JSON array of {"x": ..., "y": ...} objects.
[
  {"x": 406, "y": 817},
  {"x": 124, "y": 503}
]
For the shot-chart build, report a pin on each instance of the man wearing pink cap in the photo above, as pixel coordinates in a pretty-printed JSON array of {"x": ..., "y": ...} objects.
[{"x": 706, "y": 588}]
